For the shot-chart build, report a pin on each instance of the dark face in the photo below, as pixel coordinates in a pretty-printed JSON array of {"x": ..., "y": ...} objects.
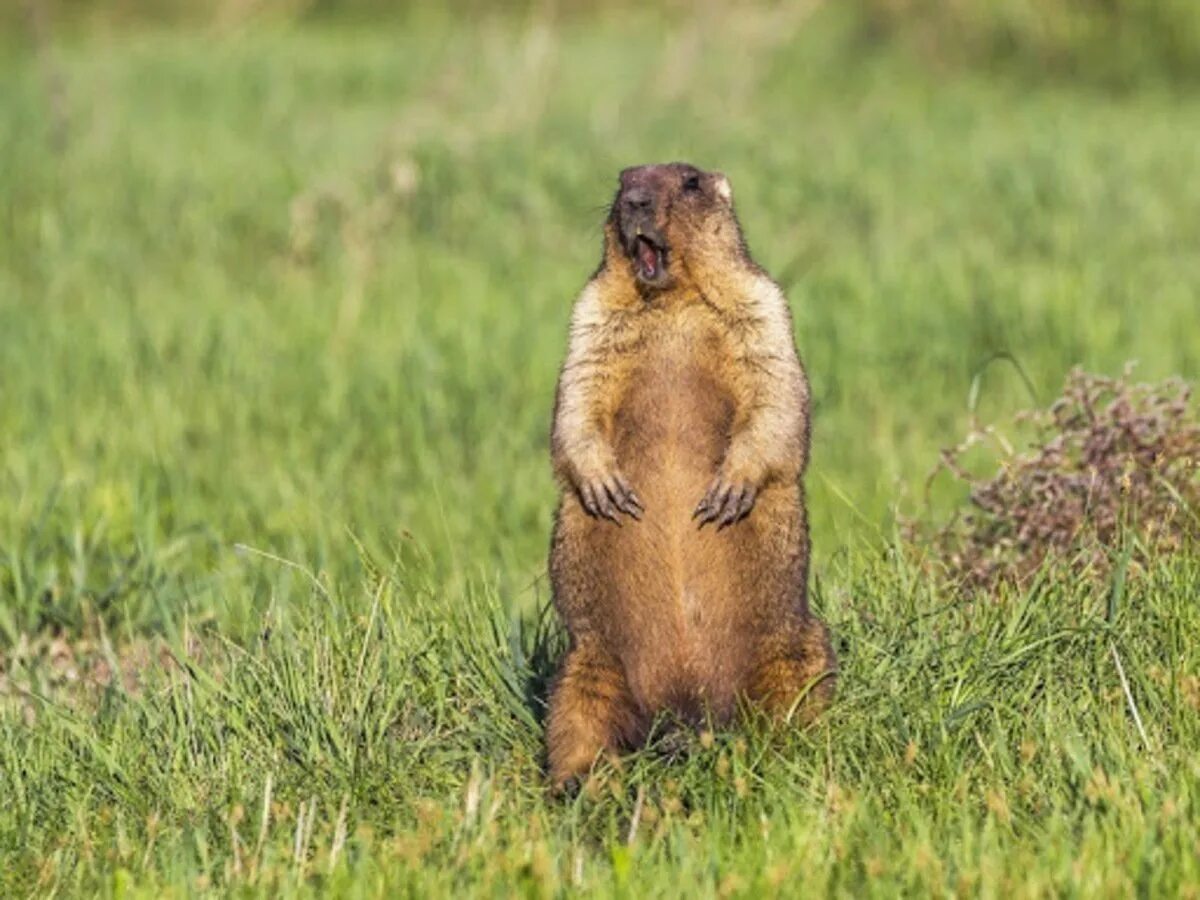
[{"x": 657, "y": 212}]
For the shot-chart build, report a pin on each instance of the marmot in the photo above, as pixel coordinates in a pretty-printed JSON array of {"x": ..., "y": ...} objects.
[{"x": 679, "y": 560}]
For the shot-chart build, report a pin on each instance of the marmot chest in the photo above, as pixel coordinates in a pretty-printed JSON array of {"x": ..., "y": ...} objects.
[{"x": 676, "y": 407}]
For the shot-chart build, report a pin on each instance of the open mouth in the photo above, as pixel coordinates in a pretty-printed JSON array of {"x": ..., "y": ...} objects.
[{"x": 649, "y": 259}]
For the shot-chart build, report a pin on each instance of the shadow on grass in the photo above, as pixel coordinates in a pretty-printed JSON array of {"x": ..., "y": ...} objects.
[{"x": 543, "y": 642}]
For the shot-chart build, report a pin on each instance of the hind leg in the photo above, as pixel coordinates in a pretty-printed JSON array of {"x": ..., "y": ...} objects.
[
  {"x": 795, "y": 677},
  {"x": 591, "y": 711}
]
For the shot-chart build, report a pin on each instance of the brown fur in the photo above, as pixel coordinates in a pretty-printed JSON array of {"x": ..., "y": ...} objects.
[{"x": 675, "y": 391}]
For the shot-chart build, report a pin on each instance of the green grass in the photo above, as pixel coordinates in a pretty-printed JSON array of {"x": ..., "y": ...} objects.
[{"x": 281, "y": 311}]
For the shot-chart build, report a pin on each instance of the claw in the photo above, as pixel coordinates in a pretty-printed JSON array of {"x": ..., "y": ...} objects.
[
  {"x": 725, "y": 503},
  {"x": 722, "y": 501},
  {"x": 606, "y": 505},
  {"x": 729, "y": 508},
  {"x": 747, "y": 503},
  {"x": 626, "y": 499},
  {"x": 627, "y": 506},
  {"x": 710, "y": 506},
  {"x": 608, "y": 497},
  {"x": 706, "y": 502},
  {"x": 617, "y": 497}
]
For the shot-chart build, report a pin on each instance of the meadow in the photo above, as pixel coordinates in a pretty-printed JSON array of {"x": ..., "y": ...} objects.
[{"x": 282, "y": 305}]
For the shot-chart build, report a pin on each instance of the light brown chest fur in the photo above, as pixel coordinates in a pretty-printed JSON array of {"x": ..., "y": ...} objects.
[{"x": 672, "y": 419}]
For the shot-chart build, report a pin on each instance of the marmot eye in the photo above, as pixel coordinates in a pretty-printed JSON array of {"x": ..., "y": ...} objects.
[{"x": 691, "y": 183}]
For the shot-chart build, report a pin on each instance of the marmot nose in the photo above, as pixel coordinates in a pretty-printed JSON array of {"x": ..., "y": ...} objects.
[{"x": 638, "y": 198}]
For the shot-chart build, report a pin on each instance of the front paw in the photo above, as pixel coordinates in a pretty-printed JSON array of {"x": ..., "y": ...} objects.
[
  {"x": 729, "y": 499},
  {"x": 607, "y": 494}
]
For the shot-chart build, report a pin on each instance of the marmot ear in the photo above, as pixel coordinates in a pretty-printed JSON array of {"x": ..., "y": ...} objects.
[{"x": 724, "y": 191}]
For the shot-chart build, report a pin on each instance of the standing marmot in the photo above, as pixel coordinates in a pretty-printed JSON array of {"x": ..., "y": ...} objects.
[{"x": 679, "y": 561}]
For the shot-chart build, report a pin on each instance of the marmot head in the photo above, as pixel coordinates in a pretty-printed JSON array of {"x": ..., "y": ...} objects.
[{"x": 669, "y": 221}]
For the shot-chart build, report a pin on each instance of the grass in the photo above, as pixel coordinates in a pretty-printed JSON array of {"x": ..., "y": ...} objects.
[{"x": 281, "y": 310}]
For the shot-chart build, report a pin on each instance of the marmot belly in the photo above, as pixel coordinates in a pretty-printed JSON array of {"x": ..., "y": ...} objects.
[{"x": 681, "y": 606}]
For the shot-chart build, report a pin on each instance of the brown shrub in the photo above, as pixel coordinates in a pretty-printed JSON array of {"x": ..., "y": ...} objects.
[{"x": 1111, "y": 460}]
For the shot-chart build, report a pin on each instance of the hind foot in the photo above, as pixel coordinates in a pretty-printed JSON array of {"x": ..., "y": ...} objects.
[
  {"x": 591, "y": 713},
  {"x": 796, "y": 683}
]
